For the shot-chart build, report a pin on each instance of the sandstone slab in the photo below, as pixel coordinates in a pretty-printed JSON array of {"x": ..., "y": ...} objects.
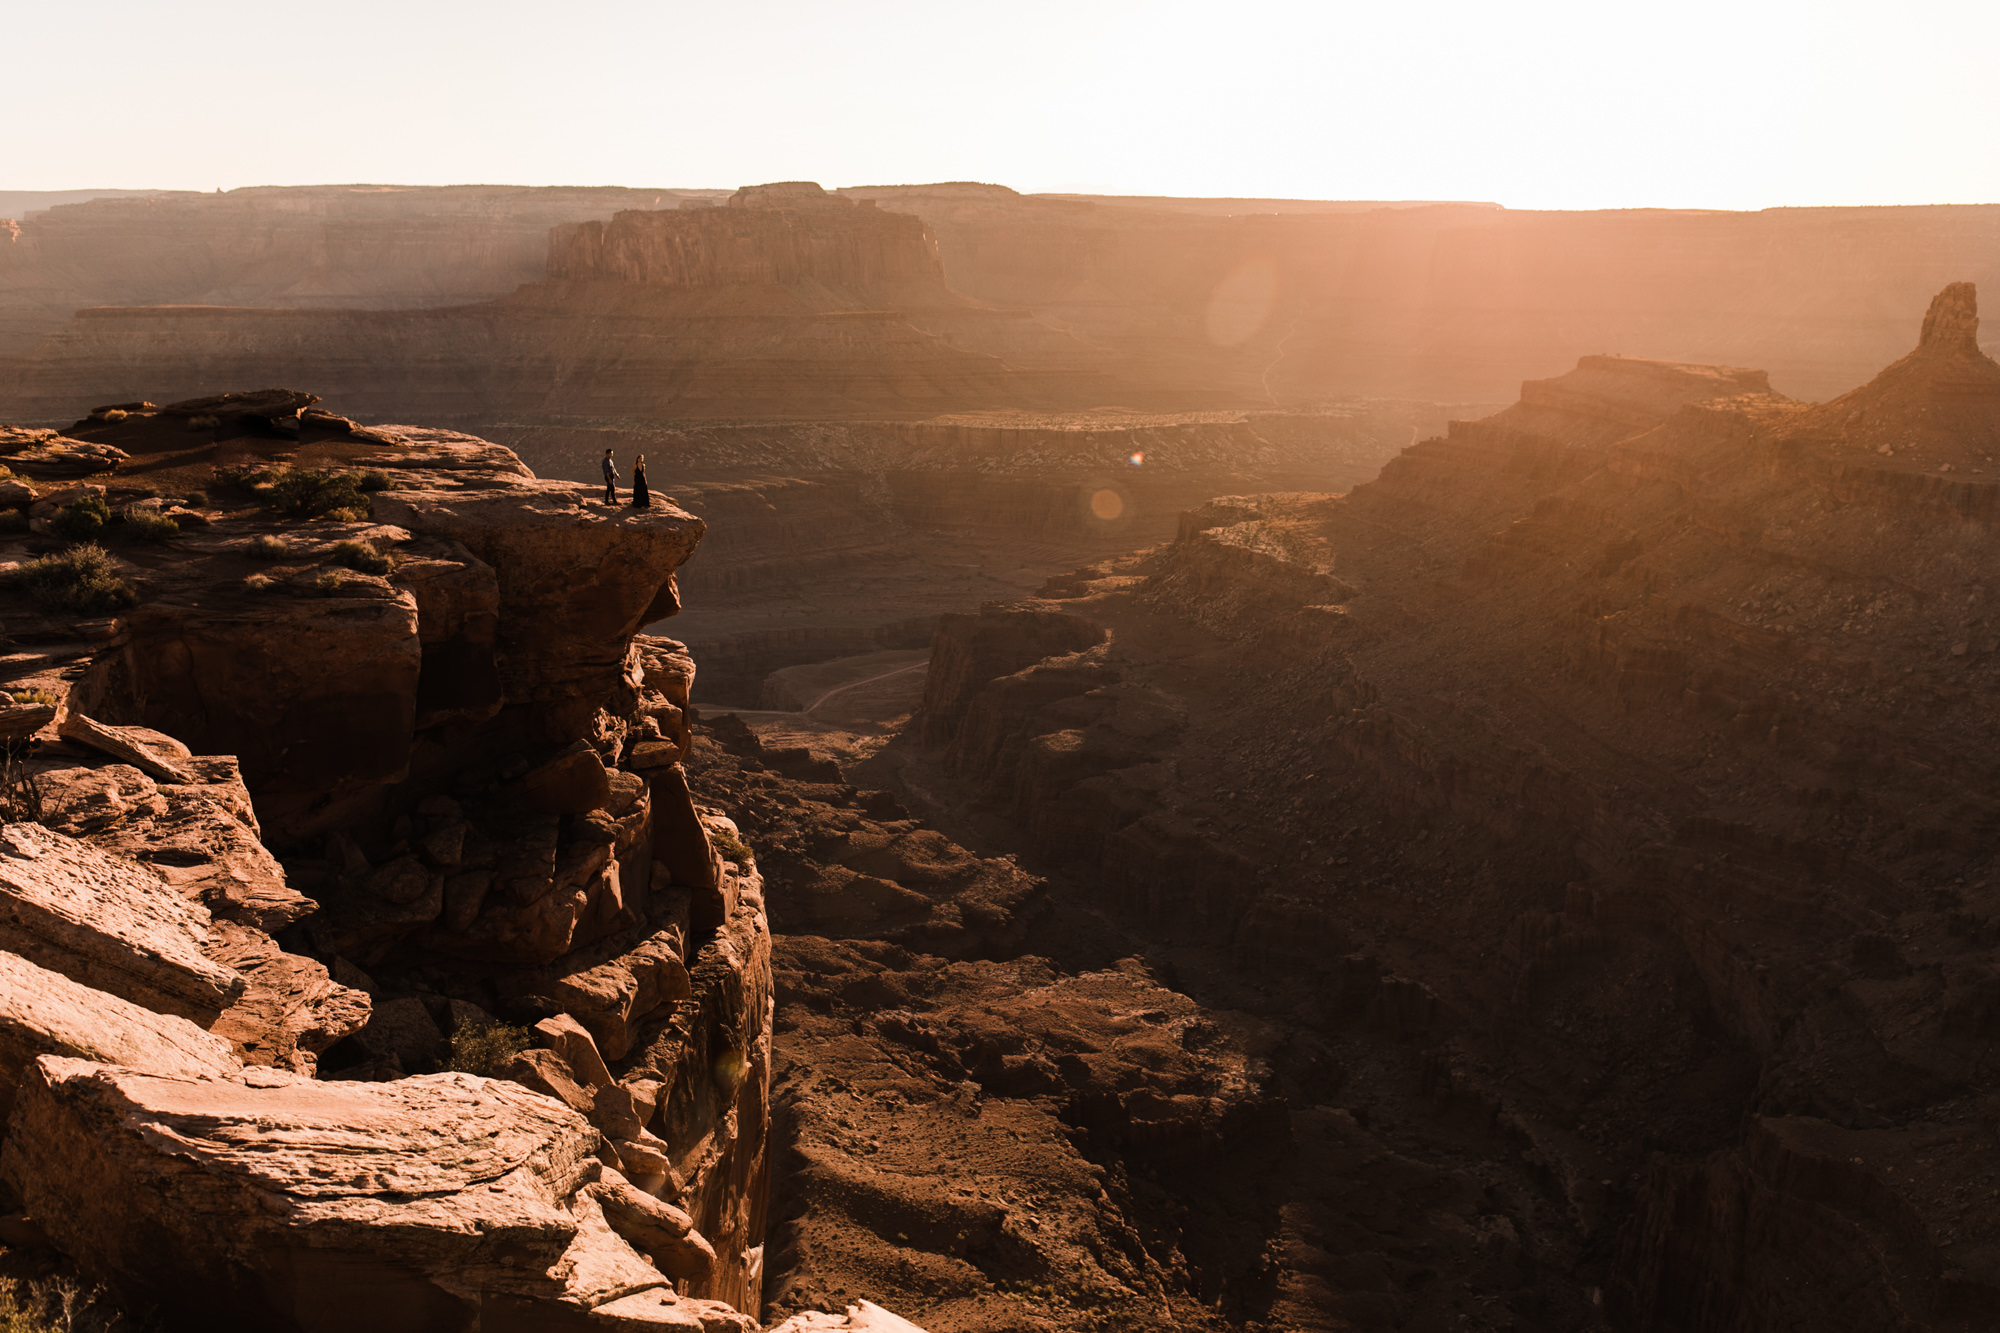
[
  {"x": 276, "y": 1202},
  {"x": 157, "y": 754},
  {"x": 108, "y": 924},
  {"x": 45, "y": 1013}
]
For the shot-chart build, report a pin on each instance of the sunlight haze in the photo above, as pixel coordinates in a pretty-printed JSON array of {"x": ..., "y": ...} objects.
[{"x": 1547, "y": 105}]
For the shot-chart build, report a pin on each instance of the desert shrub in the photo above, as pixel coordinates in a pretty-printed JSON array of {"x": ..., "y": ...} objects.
[
  {"x": 115, "y": 414},
  {"x": 730, "y": 845},
  {"x": 241, "y": 477},
  {"x": 149, "y": 525},
  {"x": 485, "y": 1048},
  {"x": 13, "y": 520},
  {"x": 204, "y": 423},
  {"x": 59, "y": 1305},
  {"x": 32, "y": 696},
  {"x": 83, "y": 520},
  {"x": 362, "y": 558},
  {"x": 268, "y": 547},
  {"x": 194, "y": 499},
  {"x": 328, "y": 584},
  {"x": 23, "y": 800},
  {"x": 299, "y": 492},
  {"x": 375, "y": 479},
  {"x": 83, "y": 579},
  {"x": 260, "y": 583},
  {"x": 304, "y": 494}
]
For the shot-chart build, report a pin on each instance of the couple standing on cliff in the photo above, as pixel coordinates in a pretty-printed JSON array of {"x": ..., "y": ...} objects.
[{"x": 641, "y": 497}]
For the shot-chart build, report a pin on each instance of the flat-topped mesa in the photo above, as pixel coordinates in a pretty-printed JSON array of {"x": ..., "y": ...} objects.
[
  {"x": 869, "y": 257},
  {"x": 1607, "y": 398},
  {"x": 1952, "y": 323},
  {"x": 786, "y": 194}
]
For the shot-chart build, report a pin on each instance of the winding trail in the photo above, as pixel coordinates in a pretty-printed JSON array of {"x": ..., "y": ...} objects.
[{"x": 866, "y": 680}]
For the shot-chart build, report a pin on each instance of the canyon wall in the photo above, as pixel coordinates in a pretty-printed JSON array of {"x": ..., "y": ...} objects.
[
  {"x": 350, "y": 854},
  {"x": 799, "y": 303},
  {"x": 1602, "y": 799},
  {"x": 1456, "y": 301},
  {"x": 781, "y": 306},
  {"x": 364, "y": 246}
]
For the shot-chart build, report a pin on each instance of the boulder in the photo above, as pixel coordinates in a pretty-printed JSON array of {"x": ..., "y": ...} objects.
[
  {"x": 290, "y": 1011},
  {"x": 547, "y": 1073},
  {"x": 862, "y": 1317},
  {"x": 108, "y": 924},
  {"x": 612, "y": 998},
  {"x": 264, "y": 404},
  {"x": 572, "y": 783},
  {"x": 569, "y": 1040},
  {"x": 207, "y": 844},
  {"x": 404, "y": 1028},
  {"x": 20, "y": 721},
  {"x": 272, "y": 1201},
  {"x": 157, "y": 754},
  {"x": 43, "y": 454},
  {"x": 45, "y": 1013}
]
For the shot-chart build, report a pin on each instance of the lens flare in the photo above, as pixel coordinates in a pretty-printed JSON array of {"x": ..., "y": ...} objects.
[
  {"x": 1241, "y": 302},
  {"x": 1107, "y": 504},
  {"x": 1138, "y": 458}
]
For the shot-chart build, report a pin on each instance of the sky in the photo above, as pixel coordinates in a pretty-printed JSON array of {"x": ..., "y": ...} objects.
[{"x": 1534, "y": 104}]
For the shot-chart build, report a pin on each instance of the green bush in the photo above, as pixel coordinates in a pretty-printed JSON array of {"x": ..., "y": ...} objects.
[
  {"x": 375, "y": 479},
  {"x": 83, "y": 579},
  {"x": 268, "y": 547},
  {"x": 303, "y": 494},
  {"x": 83, "y": 520},
  {"x": 149, "y": 525},
  {"x": 362, "y": 558},
  {"x": 485, "y": 1048},
  {"x": 300, "y": 493}
]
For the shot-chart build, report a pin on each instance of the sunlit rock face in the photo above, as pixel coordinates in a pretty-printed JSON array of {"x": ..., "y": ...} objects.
[{"x": 447, "y": 726}]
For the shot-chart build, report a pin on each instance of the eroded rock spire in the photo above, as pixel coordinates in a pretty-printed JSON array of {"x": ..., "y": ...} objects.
[{"x": 1952, "y": 323}]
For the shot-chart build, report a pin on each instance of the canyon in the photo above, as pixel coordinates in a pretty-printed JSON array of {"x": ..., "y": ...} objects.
[
  {"x": 1576, "y": 841},
  {"x": 1193, "y": 811},
  {"x": 458, "y": 307}
]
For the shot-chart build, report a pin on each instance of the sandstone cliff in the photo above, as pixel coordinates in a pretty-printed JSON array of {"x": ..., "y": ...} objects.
[
  {"x": 1167, "y": 307},
  {"x": 326, "y": 247},
  {"x": 438, "y": 711},
  {"x": 772, "y": 308},
  {"x": 1602, "y": 796}
]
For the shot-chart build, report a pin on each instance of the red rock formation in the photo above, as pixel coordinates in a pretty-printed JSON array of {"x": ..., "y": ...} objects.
[
  {"x": 324, "y": 247},
  {"x": 469, "y": 760},
  {"x": 1622, "y": 785}
]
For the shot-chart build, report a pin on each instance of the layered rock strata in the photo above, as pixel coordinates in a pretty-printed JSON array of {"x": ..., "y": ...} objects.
[
  {"x": 786, "y": 306},
  {"x": 1604, "y": 787},
  {"x": 441, "y": 717}
]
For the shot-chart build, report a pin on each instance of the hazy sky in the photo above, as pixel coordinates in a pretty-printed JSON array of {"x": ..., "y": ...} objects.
[{"x": 1541, "y": 103}]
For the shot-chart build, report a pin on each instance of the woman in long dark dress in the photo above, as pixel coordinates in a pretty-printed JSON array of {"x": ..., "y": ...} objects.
[{"x": 641, "y": 497}]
